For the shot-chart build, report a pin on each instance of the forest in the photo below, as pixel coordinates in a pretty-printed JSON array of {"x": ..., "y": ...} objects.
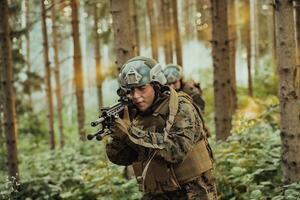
[{"x": 59, "y": 65}]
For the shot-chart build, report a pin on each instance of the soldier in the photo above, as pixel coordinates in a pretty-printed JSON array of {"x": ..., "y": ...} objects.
[
  {"x": 174, "y": 77},
  {"x": 165, "y": 142}
]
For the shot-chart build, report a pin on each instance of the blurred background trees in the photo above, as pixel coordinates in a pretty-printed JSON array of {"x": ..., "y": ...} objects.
[{"x": 59, "y": 64}]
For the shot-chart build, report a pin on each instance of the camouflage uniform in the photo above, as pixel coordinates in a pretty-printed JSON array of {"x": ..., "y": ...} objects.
[
  {"x": 174, "y": 73},
  {"x": 193, "y": 89},
  {"x": 157, "y": 157}
]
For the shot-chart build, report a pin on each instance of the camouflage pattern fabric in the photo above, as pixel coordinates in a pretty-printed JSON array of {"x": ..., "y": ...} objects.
[
  {"x": 203, "y": 188},
  {"x": 194, "y": 90},
  {"x": 147, "y": 129}
]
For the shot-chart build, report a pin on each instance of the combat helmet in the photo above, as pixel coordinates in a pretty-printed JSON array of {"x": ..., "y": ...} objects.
[
  {"x": 140, "y": 71},
  {"x": 173, "y": 73}
]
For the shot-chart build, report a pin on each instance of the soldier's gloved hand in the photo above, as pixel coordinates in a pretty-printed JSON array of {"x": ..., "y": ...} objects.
[{"x": 120, "y": 128}]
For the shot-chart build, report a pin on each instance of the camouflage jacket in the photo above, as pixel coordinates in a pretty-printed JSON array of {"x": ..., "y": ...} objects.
[
  {"x": 148, "y": 130},
  {"x": 194, "y": 90}
]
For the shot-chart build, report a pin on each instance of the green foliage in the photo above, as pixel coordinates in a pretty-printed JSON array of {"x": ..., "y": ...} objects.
[
  {"x": 77, "y": 172},
  {"x": 248, "y": 163}
]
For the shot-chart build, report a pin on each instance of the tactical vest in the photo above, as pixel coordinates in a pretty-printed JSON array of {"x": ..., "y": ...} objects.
[{"x": 154, "y": 174}]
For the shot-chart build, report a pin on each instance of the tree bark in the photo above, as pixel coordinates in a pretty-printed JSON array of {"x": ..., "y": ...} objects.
[
  {"x": 47, "y": 77},
  {"x": 232, "y": 49},
  {"x": 248, "y": 45},
  {"x": 221, "y": 63},
  {"x": 167, "y": 31},
  {"x": 177, "y": 37},
  {"x": 59, "y": 100},
  {"x": 98, "y": 68},
  {"x": 135, "y": 27},
  {"x": 27, "y": 36},
  {"x": 153, "y": 29},
  {"x": 297, "y": 13},
  {"x": 9, "y": 108},
  {"x": 123, "y": 42},
  {"x": 288, "y": 92},
  {"x": 78, "y": 72},
  {"x": 188, "y": 30}
]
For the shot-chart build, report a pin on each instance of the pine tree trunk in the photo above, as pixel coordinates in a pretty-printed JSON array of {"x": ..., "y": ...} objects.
[
  {"x": 232, "y": 48},
  {"x": 6, "y": 65},
  {"x": 221, "y": 62},
  {"x": 47, "y": 77},
  {"x": 297, "y": 12},
  {"x": 135, "y": 27},
  {"x": 288, "y": 93},
  {"x": 167, "y": 31},
  {"x": 187, "y": 4},
  {"x": 123, "y": 41},
  {"x": 78, "y": 71},
  {"x": 57, "y": 74},
  {"x": 27, "y": 36},
  {"x": 248, "y": 45},
  {"x": 98, "y": 67},
  {"x": 153, "y": 29},
  {"x": 255, "y": 38},
  {"x": 177, "y": 37}
]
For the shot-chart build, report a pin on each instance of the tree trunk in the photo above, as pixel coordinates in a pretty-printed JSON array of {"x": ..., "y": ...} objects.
[
  {"x": 232, "y": 49},
  {"x": 177, "y": 37},
  {"x": 255, "y": 37},
  {"x": 135, "y": 27},
  {"x": 188, "y": 30},
  {"x": 78, "y": 72},
  {"x": 221, "y": 62},
  {"x": 288, "y": 93},
  {"x": 27, "y": 36},
  {"x": 98, "y": 67},
  {"x": 123, "y": 41},
  {"x": 9, "y": 99},
  {"x": 153, "y": 29},
  {"x": 167, "y": 31},
  {"x": 47, "y": 77},
  {"x": 57, "y": 74},
  {"x": 248, "y": 45},
  {"x": 297, "y": 12}
]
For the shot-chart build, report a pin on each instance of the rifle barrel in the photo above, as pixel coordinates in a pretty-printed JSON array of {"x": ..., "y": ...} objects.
[{"x": 97, "y": 121}]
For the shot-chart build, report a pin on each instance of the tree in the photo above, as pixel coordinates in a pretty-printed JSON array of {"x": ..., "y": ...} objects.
[
  {"x": 99, "y": 76},
  {"x": 123, "y": 42},
  {"x": 247, "y": 31},
  {"x": 188, "y": 30},
  {"x": 178, "y": 49},
  {"x": 9, "y": 108},
  {"x": 27, "y": 36},
  {"x": 167, "y": 30},
  {"x": 232, "y": 49},
  {"x": 288, "y": 92},
  {"x": 153, "y": 29},
  {"x": 57, "y": 74},
  {"x": 48, "y": 78},
  {"x": 221, "y": 63},
  {"x": 78, "y": 72},
  {"x": 135, "y": 25},
  {"x": 297, "y": 78}
]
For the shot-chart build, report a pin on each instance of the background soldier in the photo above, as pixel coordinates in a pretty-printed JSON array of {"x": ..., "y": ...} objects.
[
  {"x": 174, "y": 77},
  {"x": 165, "y": 142}
]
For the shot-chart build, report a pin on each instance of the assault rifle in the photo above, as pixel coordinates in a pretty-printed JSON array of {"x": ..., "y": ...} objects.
[{"x": 109, "y": 114}]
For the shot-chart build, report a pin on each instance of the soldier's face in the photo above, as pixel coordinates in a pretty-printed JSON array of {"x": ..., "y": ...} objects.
[
  {"x": 176, "y": 85},
  {"x": 142, "y": 97}
]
